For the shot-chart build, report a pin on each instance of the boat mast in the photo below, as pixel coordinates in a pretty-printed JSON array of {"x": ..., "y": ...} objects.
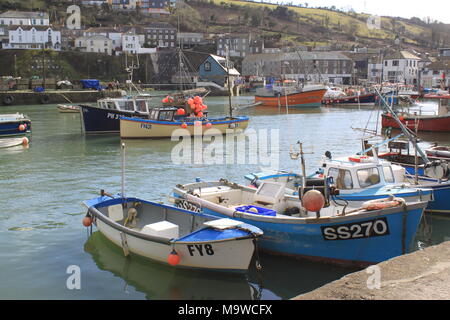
[
  {"x": 228, "y": 80},
  {"x": 405, "y": 130}
]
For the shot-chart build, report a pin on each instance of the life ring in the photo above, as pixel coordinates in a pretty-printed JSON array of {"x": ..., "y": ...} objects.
[
  {"x": 359, "y": 159},
  {"x": 8, "y": 100},
  {"x": 44, "y": 99},
  {"x": 381, "y": 204}
]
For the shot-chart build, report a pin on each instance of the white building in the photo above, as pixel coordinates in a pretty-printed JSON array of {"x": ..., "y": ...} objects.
[
  {"x": 21, "y": 18},
  {"x": 114, "y": 35},
  {"x": 33, "y": 37},
  {"x": 132, "y": 42},
  {"x": 94, "y": 44},
  {"x": 401, "y": 67}
]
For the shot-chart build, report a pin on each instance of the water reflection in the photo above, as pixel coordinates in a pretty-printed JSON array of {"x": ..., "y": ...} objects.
[
  {"x": 280, "y": 278},
  {"x": 160, "y": 282}
]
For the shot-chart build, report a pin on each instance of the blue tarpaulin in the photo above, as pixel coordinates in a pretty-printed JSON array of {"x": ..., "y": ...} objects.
[
  {"x": 91, "y": 84},
  {"x": 39, "y": 89}
]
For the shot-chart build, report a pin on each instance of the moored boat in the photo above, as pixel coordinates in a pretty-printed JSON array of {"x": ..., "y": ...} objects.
[
  {"x": 104, "y": 116},
  {"x": 162, "y": 122},
  {"x": 13, "y": 142},
  {"x": 367, "y": 99},
  {"x": 173, "y": 236},
  {"x": 308, "y": 96},
  {"x": 14, "y": 125},
  {"x": 358, "y": 179},
  {"x": 65, "y": 108},
  {"x": 363, "y": 236}
]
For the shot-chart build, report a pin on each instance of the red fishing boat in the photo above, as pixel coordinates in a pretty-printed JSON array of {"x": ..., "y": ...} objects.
[
  {"x": 425, "y": 123},
  {"x": 308, "y": 96}
]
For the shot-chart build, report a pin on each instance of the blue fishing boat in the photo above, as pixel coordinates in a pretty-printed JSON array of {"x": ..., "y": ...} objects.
[
  {"x": 174, "y": 236},
  {"x": 376, "y": 232},
  {"x": 358, "y": 179},
  {"x": 14, "y": 125}
]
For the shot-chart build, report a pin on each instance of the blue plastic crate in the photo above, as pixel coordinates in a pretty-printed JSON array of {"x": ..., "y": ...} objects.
[{"x": 261, "y": 211}]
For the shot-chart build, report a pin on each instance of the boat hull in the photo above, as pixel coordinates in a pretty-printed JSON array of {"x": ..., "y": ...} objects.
[
  {"x": 307, "y": 99},
  {"x": 12, "y": 128},
  {"x": 340, "y": 240},
  {"x": 229, "y": 256},
  {"x": 365, "y": 99},
  {"x": 426, "y": 123},
  {"x": 207, "y": 248},
  {"x": 98, "y": 120},
  {"x": 133, "y": 128}
]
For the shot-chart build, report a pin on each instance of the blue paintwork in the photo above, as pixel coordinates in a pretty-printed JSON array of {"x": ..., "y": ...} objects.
[
  {"x": 216, "y": 73},
  {"x": 11, "y": 127},
  {"x": 307, "y": 239},
  {"x": 191, "y": 122},
  {"x": 367, "y": 194},
  {"x": 98, "y": 120}
]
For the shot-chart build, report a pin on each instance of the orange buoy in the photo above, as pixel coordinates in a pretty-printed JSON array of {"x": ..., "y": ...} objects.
[
  {"x": 200, "y": 114},
  {"x": 22, "y": 127},
  {"x": 184, "y": 125},
  {"x": 209, "y": 125},
  {"x": 181, "y": 112},
  {"x": 197, "y": 123},
  {"x": 313, "y": 201},
  {"x": 204, "y": 107},
  {"x": 401, "y": 118},
  {"x": 173, "y": 259},
  {"x": 87, "y": 221},
  {"x": 25, "y": 141}
]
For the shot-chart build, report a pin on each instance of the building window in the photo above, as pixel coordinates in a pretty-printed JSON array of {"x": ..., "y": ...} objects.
[
  {"x": 207, "y": 66},
  {"x": 395, "y": 63}
]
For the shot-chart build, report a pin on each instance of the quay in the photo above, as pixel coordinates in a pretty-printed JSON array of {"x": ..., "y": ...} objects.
[
  {"x": 421, "y": 275},
  {"x": 19, "y": 97}
]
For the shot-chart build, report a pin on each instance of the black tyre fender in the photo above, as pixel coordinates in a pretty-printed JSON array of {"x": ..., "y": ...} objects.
[
  {"x": 44, "y": 99},
  {"x": 8, "y": 100}
]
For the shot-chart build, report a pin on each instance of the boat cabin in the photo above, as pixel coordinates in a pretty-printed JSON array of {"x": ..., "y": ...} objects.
[
  {"x": 132, "y": 105},
  {"x": 168, "y": 114},
  {"x": 359, "y": 173}
]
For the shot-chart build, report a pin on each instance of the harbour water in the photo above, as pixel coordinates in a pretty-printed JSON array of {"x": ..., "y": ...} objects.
[{"x": 42, "y": 188}]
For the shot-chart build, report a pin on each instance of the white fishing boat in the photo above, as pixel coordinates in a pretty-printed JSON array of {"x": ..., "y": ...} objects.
[
  {"x": 173, "y": 236},
  {"x": 13, "y": 142},
  {"x": 66, "y": 108}
]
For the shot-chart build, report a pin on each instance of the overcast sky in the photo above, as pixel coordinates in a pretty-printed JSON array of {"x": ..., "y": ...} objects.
[{"x": 436, "y": 9}]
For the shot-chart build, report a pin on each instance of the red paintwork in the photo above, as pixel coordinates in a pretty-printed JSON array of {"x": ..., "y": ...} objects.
[
  {"x": 426, "y": 123},
  {"x": 307, "y": 98}
]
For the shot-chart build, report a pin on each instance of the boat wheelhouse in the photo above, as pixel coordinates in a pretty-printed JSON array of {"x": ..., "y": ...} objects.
[{"x": 104, "y": 117}]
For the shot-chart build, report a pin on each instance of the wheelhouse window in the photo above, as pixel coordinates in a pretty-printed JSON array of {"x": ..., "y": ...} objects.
[
  {"x": 111, "y": 105},
  {"x": 141, "y": 106},
  {"x": 368, "y": 177},
  {"x": 342, "y": 178},
  {"x": 388, "y": 175},
  {"x": 165, "y": 115},
  {"x": 154, "y": 115}
]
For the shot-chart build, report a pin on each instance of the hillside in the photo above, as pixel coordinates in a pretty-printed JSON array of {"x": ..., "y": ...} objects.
[{"x": 285, "y": 25}]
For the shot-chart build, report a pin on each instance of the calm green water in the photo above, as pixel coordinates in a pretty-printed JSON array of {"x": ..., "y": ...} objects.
[{"x": 42, "y": 188}]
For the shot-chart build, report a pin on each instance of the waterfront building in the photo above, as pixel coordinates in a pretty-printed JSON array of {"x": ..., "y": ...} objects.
[
  {"x": 238, "y": 45},
  {"x": 33, "y": 37},
  {"x": 22, "y": 18},
  {"x": 97, "y": 44},
  {"x": 155, "y": 7},
  {"x": 333, "y": 67},
  {"x": 113, "y": 34},
  {"x": 401, "y": 67},
  {"x": 436, "y": 74},
  {"x": 161, "y": 35},
  {"x": 190, "y": 39}
]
